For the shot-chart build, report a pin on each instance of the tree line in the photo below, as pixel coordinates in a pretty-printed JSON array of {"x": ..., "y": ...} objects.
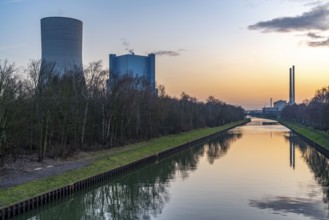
[
  {"x": 314, "y": 113},
  {"x": 53, "y": 116}
]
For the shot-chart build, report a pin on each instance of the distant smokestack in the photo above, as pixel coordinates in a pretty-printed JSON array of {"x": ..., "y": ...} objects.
[
  {"x": 290, "y": 94},
  {"x": 292, "y": 85},
  {"x": 270, "y": 102}
]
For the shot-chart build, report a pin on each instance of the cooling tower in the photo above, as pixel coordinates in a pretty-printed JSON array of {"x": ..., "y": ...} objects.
[{"x": 61, "y": 43}]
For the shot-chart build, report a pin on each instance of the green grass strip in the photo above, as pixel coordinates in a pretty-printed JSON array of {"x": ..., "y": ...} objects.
[
  {"x": 319, "y": 137},
  {"x": 105, "y": 163}
]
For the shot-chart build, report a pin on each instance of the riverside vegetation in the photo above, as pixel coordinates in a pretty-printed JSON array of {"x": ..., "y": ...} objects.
[
  {"x": 107, "y": 161},
  {"x": 50, "y": 116},
  {"x": 313, "y": 113},
  {"x": 317, "y": 136},
  {"x": 310, "y": 118}
]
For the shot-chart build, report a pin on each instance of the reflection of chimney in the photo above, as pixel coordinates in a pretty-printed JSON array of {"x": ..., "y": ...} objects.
[
  {"x": 292, "y": 151},
  {"x": 292, "y": 85}
]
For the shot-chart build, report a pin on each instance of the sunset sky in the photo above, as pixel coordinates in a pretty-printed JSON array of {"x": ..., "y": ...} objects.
[{"x": 239, "y": 51}]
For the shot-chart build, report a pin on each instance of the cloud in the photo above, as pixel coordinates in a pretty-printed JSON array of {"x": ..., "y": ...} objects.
[
  {"x": 170, "y": 53},
  {"x": 324, "y": 43},
  {"x": 314, "y": 35},
  {"x": 315, "y": 19},
  {"x": 308, "y": 2},
  {"x": 313, "y": 3},
  {"x": 314, "y": 24}
]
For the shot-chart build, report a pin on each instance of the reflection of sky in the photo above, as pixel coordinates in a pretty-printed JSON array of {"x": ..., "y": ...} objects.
[
  {"x": 284, "y": 205},
  {"x": 256, "y": 167},
  {"x": 258, "y": 125}
]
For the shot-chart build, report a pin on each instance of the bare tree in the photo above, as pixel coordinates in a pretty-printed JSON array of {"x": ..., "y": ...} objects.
[
  {"x": 8, "y": 93},
  {"x": 44, "y": 105},
  {"x": 95, "y": 77}
]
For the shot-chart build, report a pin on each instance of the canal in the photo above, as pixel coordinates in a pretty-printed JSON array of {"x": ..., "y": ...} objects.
[{"x": 256, "y": 171}]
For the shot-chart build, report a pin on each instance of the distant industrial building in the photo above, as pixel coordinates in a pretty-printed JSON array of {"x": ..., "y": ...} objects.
[
  {"x": 279, "y": 105},
  {"x": 269, "y": 111},
  {"x": 274, "y": 111},
  {"x": 61, "y": 43},
  {"x": 292, "y": 85},
  {"x": 135, "y": 66}
]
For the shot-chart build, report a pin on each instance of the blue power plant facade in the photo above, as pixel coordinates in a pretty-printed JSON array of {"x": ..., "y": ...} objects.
[
  {"x": 135, "y": 66},
  {"x": 61, "y": 43}
]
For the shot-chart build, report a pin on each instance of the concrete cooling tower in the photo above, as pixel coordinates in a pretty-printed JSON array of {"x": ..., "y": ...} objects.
[{"x": 61, "y": 42}]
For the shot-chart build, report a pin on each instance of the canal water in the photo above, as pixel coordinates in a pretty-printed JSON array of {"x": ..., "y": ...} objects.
[{"x": 256, "y": 171}]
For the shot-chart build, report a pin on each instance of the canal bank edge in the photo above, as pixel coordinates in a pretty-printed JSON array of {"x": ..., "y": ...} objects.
[
  {"x": 316, "y": 138},
  {"x": 21, "y": 198}
]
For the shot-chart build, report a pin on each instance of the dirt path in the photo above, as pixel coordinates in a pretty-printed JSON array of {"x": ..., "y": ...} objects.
[
  {"x": 12, "y": 176},
  {"x": 27, "y": 168}
]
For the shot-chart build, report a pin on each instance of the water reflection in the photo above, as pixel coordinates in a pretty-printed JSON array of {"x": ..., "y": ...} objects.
[
  {"x": 141, "y": 194},
  {"x": 317, "y": 162},
  {"x": 262, "y": 122},
  {"x": 309, "y": 207},
  {"x": 269, "y": 173},
  {"x": 217, "y": 149},
  {"x": 302, "y": 206},
  {"x": 292, "y": 150}
]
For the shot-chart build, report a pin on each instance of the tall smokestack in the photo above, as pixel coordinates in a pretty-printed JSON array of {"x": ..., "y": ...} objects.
[
  {"x": 289, "y": 86},
  {"x": 292, "y": 85}
]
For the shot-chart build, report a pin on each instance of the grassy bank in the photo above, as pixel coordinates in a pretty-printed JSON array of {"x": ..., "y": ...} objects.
[
  {"x": 319, "y": 137},
  {"x": 104, "y": 163}
]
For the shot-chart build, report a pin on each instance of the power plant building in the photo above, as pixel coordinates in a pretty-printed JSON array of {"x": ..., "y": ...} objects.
[
  {"x": 135, "y": 66},
  {"x": 61, "y": 43},
  {"x": 279, "y": 105},
  {"x": 274, "y": 111}
]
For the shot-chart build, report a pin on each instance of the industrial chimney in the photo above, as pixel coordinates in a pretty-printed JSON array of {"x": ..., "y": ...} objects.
[{"x": 292, "y": 85}]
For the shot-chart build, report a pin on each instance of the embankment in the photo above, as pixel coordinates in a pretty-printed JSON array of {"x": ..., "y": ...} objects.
[
  {"x": 318, "y": 139},
  {"x": 21, "y": 198}
]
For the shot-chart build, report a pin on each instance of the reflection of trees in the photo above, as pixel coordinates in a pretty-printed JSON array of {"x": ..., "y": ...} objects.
[
  {"x": 141, "y": 193},
  {"x": 219, "y": 147},
  {"x": 317, "y": 162}
]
